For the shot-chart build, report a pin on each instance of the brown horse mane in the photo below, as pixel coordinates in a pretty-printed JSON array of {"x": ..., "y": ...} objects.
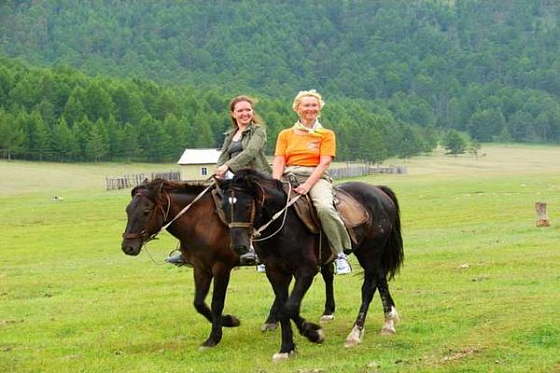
[
  {"x": 167, "y": 186},
  {"x": 258, "y": 178},
  {"x": 264, "y": 186}
]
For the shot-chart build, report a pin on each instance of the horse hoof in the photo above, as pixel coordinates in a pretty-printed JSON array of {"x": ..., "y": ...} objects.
[
  {"x": 313, "y": 332},
  {"x": 230, "y": 321},
  {"x": 355, "y": 337},
  {"x": 282, "y": 356},
  {"x": 326, "y": 318},
  {"x": 320, "y": 336},
  {"x": 268, "y": 327},
  {"x": 209, "y": 343},
  {"x": 351, "y": 343},
  {"x": 387, "y": 331}
]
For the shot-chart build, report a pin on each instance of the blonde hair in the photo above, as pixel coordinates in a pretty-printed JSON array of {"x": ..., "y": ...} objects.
[{"x": 310, "y": 93}]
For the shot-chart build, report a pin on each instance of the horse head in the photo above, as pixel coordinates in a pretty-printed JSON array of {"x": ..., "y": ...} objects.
[
  {"x": 238, "y": 204},
  {"x": 144, "y": 221}
]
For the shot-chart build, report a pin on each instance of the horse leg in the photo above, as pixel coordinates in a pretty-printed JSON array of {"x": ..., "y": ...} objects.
[
  {"x": 280, "y": 284},
  {"x": 202, "y": 281},
  {"x": 271, "y": 322},
  {"x": 221, "y": 281},
  {"x": 313, "y": 332},
  {"x": 368, "y": 290},
  {"x": 327, "y": 272},
  {"x": 389, "y": 309}
]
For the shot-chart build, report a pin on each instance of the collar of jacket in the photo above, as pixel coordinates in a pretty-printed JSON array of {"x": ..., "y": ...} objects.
[{"x": 232, "y": 131}]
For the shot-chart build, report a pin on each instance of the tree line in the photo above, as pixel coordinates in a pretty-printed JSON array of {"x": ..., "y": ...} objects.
[{"x": 62, "y": 114}]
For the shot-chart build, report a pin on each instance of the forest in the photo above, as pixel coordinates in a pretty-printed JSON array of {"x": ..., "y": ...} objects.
[{"x": 141, "y": 80}]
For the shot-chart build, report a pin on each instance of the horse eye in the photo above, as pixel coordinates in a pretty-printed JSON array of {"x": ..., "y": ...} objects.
[
  {"x": 147, "y": 212},
  {"x": 232, "y": 200}
]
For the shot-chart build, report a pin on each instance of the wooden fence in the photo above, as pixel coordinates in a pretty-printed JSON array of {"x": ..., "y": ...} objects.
[
  {"x": 363, "y": 170},
  {"x": 130, "y": 181}
]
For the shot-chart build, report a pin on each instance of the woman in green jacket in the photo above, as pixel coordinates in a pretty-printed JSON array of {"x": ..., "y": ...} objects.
[
  {"x": 243, "y": 147},
  {"x": 245, "y": 141}
]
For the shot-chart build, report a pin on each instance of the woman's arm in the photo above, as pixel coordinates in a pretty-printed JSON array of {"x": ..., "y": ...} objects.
[
  {"x": 324, "y": 163},
  {"x": 224, "y": 157},
  {"x": 278, "y": 164}
]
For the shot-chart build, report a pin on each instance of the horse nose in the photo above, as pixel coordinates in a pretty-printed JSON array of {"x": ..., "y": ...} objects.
[
  {"x": 239, "y": 240},
  {"x": 240, "y": 249},
  {"x": 129, "y": 249}
]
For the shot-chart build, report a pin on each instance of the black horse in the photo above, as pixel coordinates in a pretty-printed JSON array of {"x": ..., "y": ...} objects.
[
  {"x": 205, "y": 243},
  {"x": 291, "y": 251}
]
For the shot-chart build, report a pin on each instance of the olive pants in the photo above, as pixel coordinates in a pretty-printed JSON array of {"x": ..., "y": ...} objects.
[{"x": 322, "y": 197}]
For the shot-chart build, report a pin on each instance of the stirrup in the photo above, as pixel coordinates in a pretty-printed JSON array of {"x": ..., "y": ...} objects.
[{"x": 175, "y": 257}]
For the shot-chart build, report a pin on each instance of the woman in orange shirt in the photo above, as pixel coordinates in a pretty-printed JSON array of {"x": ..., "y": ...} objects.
[{"x": 306, "y": 151}]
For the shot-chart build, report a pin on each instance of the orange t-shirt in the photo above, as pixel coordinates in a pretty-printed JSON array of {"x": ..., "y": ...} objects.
[{"x": 305, "y": 149}]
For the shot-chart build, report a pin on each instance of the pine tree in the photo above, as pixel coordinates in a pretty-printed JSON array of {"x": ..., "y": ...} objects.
[
  {"x": 12, "y": 137},
  {"x": 454, "y": 143},
  {"x": 64, "y": 144},
  {"x": 131, "y": 146},
  {"x": 98, "y": 144}
]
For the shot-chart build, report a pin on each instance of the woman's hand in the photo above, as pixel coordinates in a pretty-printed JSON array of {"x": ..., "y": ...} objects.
[
  {"x": 303, "y": 188},
  {"x": 221, "y": 171}
]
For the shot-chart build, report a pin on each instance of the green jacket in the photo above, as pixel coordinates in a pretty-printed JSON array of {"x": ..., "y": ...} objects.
[{"x": 253, "y": 140}]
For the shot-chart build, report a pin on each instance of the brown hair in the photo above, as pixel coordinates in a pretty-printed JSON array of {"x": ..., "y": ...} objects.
[{"x": 235, "y": 100}]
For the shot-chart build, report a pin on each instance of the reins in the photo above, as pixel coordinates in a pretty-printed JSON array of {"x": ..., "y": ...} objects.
[
  {"x": 180, "y": 213},
  {"x": 289, "y": 202}
]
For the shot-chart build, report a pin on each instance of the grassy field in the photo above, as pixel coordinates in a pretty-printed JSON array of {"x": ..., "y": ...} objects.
[{"x": 479, "y": 291}]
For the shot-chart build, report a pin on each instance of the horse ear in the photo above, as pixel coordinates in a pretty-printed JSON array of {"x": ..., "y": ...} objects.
[
  {"x": 159, "y": 188},
  {"x": 219, "y": 182}
]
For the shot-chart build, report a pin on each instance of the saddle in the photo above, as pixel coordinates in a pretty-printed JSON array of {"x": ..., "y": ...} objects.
[{"x": 351, "y": 211}]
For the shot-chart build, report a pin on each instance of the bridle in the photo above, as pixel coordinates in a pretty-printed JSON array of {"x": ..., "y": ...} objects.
[
  {"x": 237, "y": 224},
  {"x": 143, "y": 234}
]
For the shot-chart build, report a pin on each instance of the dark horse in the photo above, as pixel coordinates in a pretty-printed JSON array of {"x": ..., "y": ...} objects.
[
  {"x": 204, "y": 242},
  {"x": 291, "y": 251}
]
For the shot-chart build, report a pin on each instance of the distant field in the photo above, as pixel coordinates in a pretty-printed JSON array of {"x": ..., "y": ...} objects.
[
  {"x": 31, "y": 177},
  {"x": 491, "y": 159},
  {"x": 37, "y": 177},
  {"x": 479, "y": 291}
]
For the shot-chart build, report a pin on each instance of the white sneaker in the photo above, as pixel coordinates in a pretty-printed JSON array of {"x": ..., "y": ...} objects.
[
  {"x": 343, "y": 266},
  {"x": 261, "y": 268}
]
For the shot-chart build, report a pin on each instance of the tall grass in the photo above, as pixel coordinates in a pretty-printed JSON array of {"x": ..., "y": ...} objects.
[{"x": 479, "y": 291}]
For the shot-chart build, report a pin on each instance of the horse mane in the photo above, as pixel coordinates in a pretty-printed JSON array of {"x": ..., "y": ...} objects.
[
  {"x": 255, "y": 177},
  {"x": 263, "y": 187},
  {"x": 167, "y": 186}
]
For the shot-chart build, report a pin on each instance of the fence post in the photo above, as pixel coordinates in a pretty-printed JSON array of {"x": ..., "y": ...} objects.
[{"x": 542, "y": 218}]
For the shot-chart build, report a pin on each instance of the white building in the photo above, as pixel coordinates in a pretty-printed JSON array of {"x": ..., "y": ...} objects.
[{"x": 198, "y": 164}]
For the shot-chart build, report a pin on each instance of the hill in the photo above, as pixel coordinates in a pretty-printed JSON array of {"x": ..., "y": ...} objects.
[{"x": 487, "y": 68}]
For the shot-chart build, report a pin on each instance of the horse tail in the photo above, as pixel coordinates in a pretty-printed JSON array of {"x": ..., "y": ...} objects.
[{"x": 393, "y": 255}]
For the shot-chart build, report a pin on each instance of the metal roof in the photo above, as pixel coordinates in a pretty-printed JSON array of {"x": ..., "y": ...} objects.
[{"x": 199, "y": 156}]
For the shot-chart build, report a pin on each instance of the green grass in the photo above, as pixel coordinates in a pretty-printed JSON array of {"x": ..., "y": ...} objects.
[{"x": 479, "y": 291}]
